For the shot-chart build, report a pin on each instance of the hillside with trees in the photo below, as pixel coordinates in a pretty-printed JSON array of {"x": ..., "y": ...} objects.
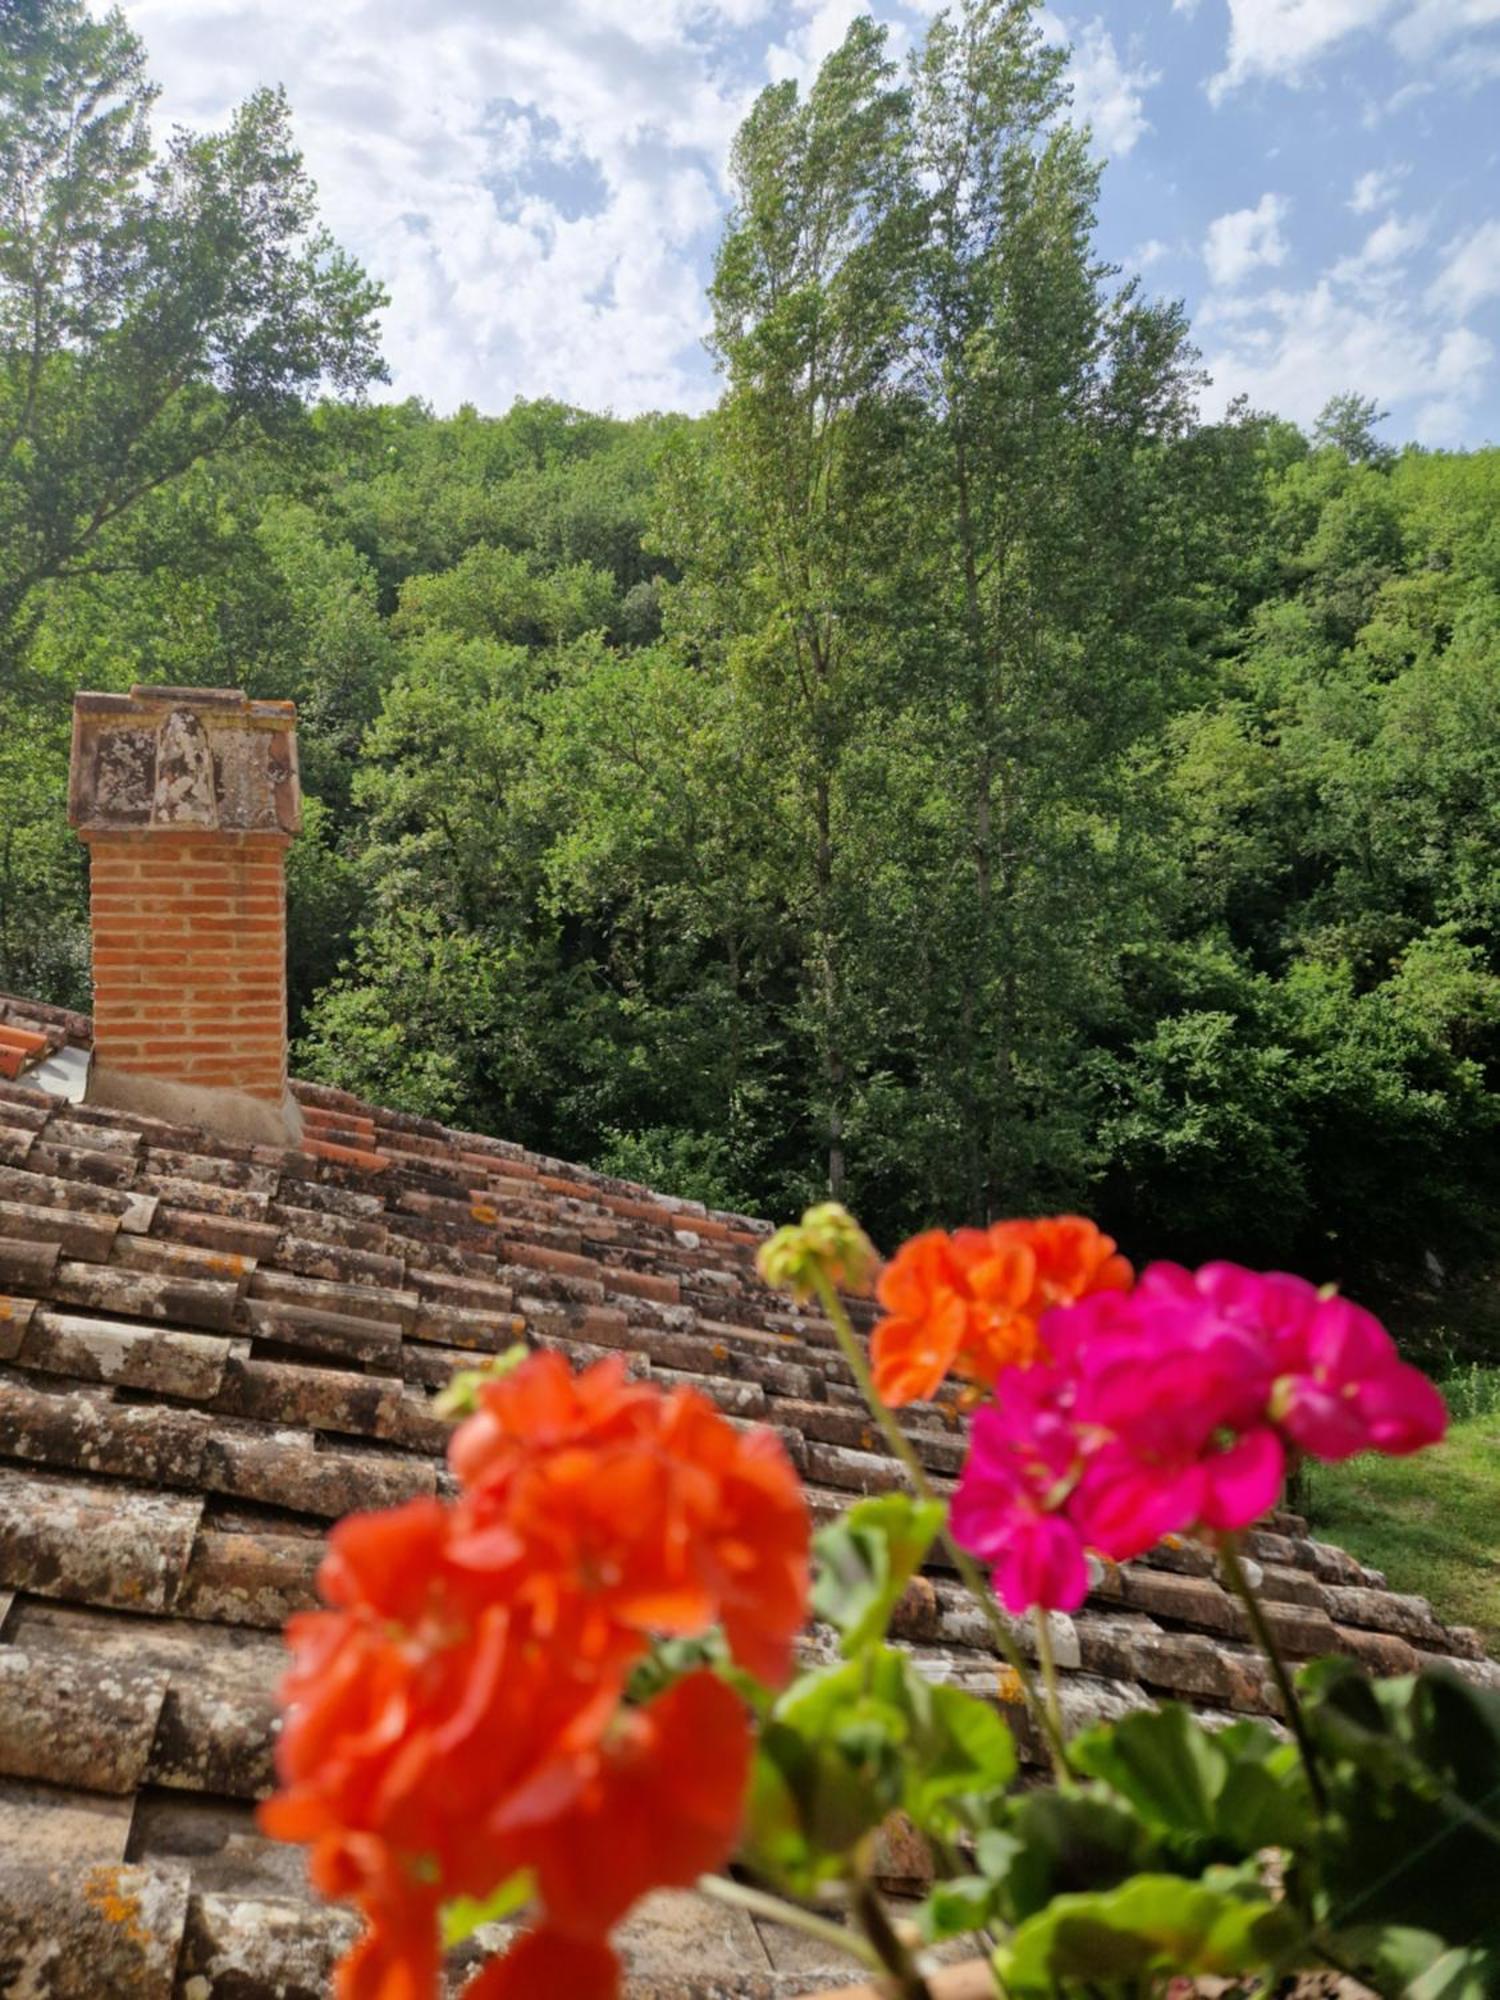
[{"x": 951, "y": 772}]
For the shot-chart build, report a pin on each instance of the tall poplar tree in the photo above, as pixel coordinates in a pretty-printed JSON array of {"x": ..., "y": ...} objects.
[
  {"x": 811, "y": 294},
  {"x": 1046, "y": 394}
]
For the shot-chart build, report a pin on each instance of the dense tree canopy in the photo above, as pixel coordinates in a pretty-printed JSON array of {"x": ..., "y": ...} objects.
[{"x": 951, "y": 770}]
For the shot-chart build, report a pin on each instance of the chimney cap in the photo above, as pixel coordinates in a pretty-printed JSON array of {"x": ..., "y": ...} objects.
[{"x": 183, "y": 760}]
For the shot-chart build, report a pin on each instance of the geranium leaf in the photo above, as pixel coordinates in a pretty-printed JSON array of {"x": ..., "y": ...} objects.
[{"x": 866, "y": 1559}]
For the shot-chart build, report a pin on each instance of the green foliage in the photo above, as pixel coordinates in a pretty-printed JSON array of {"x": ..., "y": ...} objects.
[
  {"x": 155, "y": 310},
  {"x": 949, "y": 769},
  {"x": 1412, "y": 1837},
  {"x": 865, "y": 1559},
  {"x": 846, "y": 1747},
  {"x": 1153, "y": 1926}
]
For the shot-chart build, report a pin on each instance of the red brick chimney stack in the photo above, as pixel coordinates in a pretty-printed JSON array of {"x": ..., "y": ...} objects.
[{"x": 188, "y": 799}]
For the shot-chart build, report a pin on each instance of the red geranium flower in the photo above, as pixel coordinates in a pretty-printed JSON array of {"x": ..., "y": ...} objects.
[{"x": 549, "y": 1962}]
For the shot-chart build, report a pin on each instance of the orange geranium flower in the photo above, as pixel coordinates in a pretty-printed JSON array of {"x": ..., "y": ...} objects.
[
  {"x": 457, "y": 1714},
  {"x": 971, "y": 1304},
  {"x": 652, "y": 1510}
]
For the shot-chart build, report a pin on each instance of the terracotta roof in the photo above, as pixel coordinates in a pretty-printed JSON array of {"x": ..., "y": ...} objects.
[{"x": 209, "y": 1351}]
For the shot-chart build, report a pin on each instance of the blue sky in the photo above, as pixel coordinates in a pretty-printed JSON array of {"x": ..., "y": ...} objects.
[{"x": 540, "y": 183}]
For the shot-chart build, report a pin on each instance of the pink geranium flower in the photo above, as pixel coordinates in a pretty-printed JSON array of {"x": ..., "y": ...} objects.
[
  {"x": 1171, "y": 1408},
  {"x": 1024, "y": 1456}
]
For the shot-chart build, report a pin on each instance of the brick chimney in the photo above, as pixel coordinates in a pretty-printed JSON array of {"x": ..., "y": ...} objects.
[{"x": 187, "y": 799}]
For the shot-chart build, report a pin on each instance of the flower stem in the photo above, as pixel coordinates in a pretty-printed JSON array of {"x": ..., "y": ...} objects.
[
  {"x": 1239, "y": 1583},
  {"x": 792, "y": 1916},
  {"x": 1044, "y": 1652},
  {"x": 963, "y": 1562},
  {"x": 895, "y": 1960}
]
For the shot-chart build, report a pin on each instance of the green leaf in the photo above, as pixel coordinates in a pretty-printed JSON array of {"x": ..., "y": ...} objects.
[
  {"x": 1163, "y": 1762},
  {"x": 1062, "y": 1843},
  {"x": 1208, "y": 1795},
  {"x": 956, "y": 1907},
  {"x": 849, "y": 1745},
  {"x": 866, "y": 1558},
  {"x": 467, "y": 1914},
  {"x": 1412, "y": 1837},
  {"x": 461, "y": 1397},
  {"x": 1419, "y": 1964},
  {"x": 1151, "y": 1925},
  {"x": 961, "y": 1749}
]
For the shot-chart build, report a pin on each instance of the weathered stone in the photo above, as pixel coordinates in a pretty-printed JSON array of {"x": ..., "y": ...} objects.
[
  {"x": 280, "y": 1393},
  {"x": 231, "y": 1167},
  {"x": 86, "y": 1431},
  {"x": 1183, "y": 1600},
  {"x": 235, "y": 1945},
  {"x": 229, "y": 1235},
  {"x": 27, "y": 1267},
  {"x": 1385, "y": 1611},
  {"x": 15, "y": 1317},
  {"x": 215, "y": 1734},
  {"x": 81, "y": 1163},
  {"x": 77, "y": 1721},
  {"x": 344, "y": 1336},
  {"x": 112, "y": 1931},
  {"x": 677, "y": 1946},
  {"x": 487, "y": 1332},
  {"x": 79, "y": 1197},
  {"x": 133, "y": 1294},
  {"x": 384, "y": 1303},
  {"x": 285, "y": 1469},
  {"x": 339, "y": 1263},
  {"x": 94, "y": 1543},
  {"x": 188, "y": 1365},
  {"x": 55, "y": 1827},
  {"x": 250, "y": 1579},
  {"x": 88, "y": 1235}
]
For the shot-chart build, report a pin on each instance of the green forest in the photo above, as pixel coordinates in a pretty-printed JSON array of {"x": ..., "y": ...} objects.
[{"x": 952, "y": 772}]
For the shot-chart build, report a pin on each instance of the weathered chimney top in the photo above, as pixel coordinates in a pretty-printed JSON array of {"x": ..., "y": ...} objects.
[{"x": 182, "y": 759}]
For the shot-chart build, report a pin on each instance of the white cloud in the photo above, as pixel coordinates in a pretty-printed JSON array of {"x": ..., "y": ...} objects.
[
  {"x": 1291, "y": 350},
  {"x": 1374, "y": 189},
  {"x": 1284, "y": 39},
  {"x": 1108, "y": 91},
  {"x": 1150, "y": 252},
  {"x": 820, "y": 27},
  {"x": 1246, "y": 239},
  {"x": 1470, "y": 273},
  {"x": 1383, "y": 251},
  {"x": 1365, "y": 326},
  {"x": 539, "y": 197},
  {"x": 1433, "y": 25}
]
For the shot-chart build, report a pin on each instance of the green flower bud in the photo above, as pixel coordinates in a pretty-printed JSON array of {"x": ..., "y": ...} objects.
[{"x": 827, "y": 1242}]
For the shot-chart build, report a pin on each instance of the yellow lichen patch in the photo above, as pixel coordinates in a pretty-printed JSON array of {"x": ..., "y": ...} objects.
[
  {"x": 104, "y": 1892},
  {"x": 482, "y": 1212},
  {"x": 719, "y": 1351},
  {"x": 1008, "y": 1684}
]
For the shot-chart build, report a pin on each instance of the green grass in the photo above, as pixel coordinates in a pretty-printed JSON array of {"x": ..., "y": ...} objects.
[{"x": 1432, "y": 1521}]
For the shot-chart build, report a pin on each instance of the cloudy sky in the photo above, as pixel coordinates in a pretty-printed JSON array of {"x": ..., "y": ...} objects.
[{"x": 539, "y": 183}]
